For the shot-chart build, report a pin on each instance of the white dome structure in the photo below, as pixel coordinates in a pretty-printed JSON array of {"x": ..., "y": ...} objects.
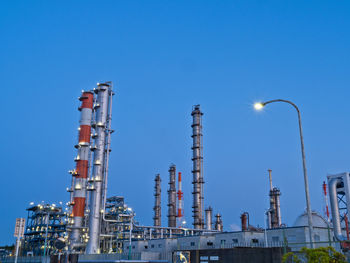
[{"x": 317, "y": 220}]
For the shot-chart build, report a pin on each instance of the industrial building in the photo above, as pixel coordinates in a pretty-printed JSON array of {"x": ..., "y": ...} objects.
[{"x": 97, "y": 227}]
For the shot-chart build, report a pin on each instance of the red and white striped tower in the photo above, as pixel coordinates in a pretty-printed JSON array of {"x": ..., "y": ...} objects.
[
  {"x": 180, "y": 210},
  {"x": 81, "y": 171},
  {"x": 324, "y": 186}
]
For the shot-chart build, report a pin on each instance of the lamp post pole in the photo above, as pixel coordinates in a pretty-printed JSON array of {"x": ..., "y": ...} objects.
[{"x": 259, "y": 106}]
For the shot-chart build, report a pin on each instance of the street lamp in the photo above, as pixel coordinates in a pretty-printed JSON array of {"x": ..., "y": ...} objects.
[{"x": 260, "y": 106}]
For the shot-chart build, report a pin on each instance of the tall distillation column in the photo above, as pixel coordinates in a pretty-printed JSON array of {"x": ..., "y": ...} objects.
[
  {"x": 80, "y": 173},
  {"x": 197, "y": 170},
  {"x": 172, "y": 197},
  {"x": 157, "y": 202},
  {"x": 274, "y": 213},
  {"x": 103, "y": 91},
  {"x": 218, "y": 223}
]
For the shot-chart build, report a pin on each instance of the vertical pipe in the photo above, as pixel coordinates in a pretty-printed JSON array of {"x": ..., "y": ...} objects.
[
  {"x": 157, "y": 201},
  {"x": 101, "y": 108},
  {"x": 197, "y": 170},
  {"x": 333, "y": 197},
  {"x": 208, "y": 218},
  {"x": 80, "y": 173},
  {"x": 346, "y": 226},
  {"x": 172, "y": 197},
  {"x": 180, "y": 211}
]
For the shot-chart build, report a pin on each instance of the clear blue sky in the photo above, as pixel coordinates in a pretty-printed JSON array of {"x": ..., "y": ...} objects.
[{"x": 164, "y": 57}]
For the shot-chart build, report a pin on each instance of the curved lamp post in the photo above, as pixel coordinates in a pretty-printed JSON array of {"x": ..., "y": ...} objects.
[{"x": 260, "y": 106}]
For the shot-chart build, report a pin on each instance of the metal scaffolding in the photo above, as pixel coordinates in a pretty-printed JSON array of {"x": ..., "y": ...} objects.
[{"x": 45, "y": 224}]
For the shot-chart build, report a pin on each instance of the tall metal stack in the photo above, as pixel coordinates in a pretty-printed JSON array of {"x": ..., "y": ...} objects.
[
  {"x": 101, "y": 149},
  {"x": 80, "y": 174},
  {"x": 180, "y": 196},
  {"x": 172, "y": 197},
  {"x": 208, "y": 218},
  {"x": 274, "y": 213},
  {"x": 326, "y": 209},
  {"x": 197, "y": 170},
  {"x": 157, "y": 202}
]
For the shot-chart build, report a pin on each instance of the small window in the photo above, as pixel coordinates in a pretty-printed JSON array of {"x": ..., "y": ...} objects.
[
  {"x": 152, "y": 246},
  {"x": 159, "y": 245},
  {"x": 209, "y": 244},
  {"x": 235, "y": 240},
  {"x": 146, "y": 247},
  {"x": 223, "y": 241},
  {"x": 133, "y": 246},
  {"x": 255, "y": 240},
  {"x": 193, "y": 244}
]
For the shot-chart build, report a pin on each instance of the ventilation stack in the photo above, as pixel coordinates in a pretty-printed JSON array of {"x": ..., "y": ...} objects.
[
  {"x": 172, "y": 197},
  {"x": 274, "y": 213},
  {"x": 218, "y": 223},
  {"x": 208, "y": 218},
  {"x": 157, "y": 202},
  {"x": 180, "y": 196},
  {"x": 80, "y": 174},
  {"x": 197, "y": 171},
  {"x": 100, "y": 163}
]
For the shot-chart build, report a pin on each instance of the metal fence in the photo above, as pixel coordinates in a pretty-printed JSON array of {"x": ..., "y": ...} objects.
[{"x": 25, "y": 260}]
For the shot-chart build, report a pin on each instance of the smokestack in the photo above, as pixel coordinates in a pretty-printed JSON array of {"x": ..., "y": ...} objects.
[
  {"x": 180, "y": 210},
  {"x": 208, "y": 218},
  {"x": 172, "y": 197},
  {"x": 245, "y": 221},
  {"x": 270, "y": 178},
  {"x": 80, "y": 174},
  {"x": 197, "y": 171},
  {"x": 103, "y": 91},
  {"x": 157, "y": 202},
  {"x": 218, "y": 223},
  {"x": 274, "y": 213},
  {"x": 324, "y": 187}
]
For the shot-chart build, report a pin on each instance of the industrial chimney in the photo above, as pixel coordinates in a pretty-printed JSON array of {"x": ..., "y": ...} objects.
[
  {"x": 245, "y": 221},
  {"x": 157, "y": 202},
  {"x": 180, "y": 196},
  {"x": 80, "y": 174},
  {"x": 197, "y": 170},
  {"x": 172, "y": 197}
]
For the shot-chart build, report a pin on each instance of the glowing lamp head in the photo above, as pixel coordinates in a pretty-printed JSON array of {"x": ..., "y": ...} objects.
[{"x": 258, "y": 106}]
